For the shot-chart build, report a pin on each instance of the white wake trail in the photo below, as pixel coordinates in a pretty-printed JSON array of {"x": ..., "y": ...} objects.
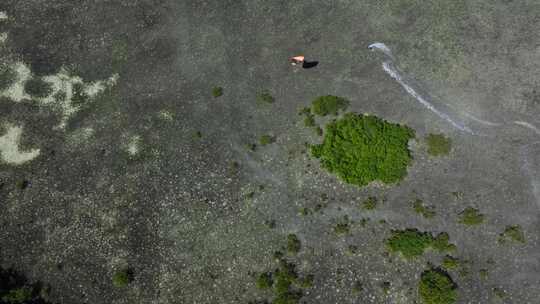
[
  {"x": 528, "y": 125},
  {"x": 382, "y": 47},
  {"x": 390, "y": 69},
  {"x": 393, "y": 72}
]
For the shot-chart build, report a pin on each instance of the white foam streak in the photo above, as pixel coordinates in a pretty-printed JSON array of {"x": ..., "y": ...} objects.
[
  {"x": 382, "y": 47},
  {"x": 393, "y": 72},
  {"x": 528, "y": 125}
]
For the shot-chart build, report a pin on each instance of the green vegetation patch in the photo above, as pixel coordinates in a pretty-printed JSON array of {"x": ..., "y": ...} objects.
[
  {"x": 18, "y": 295},
  {"x": 512, "y": 233},
  {"x": 217, "y": 91},
  {"x": 285, "y": 283},
  {"x": 500, "y": 293},
  {"x": 438, "y": 144},
  {"x": 266, "y": 140},
  {"x": 370, "y": 203},
  {"x": 37, "y": 87},
  {"x": 7, "y": 76},
  {"x": 471, "y": 216},
  {"x": 15, "y": 288},
  {"x": 309, "y": 120},
  {"x": 361, "y": 149},
  {"x": 343, "y": 226},
  {"x": 293, "y": 244},
  {"x": 265, "y": 97},
  {"x": 264, "y": 280},
  {"x": 412, "y": 243},
  {"x": 325, "y": 105},
  {"x": 420, "y": 208},
  {"x": 436, "y": 287},
  {"x": 122, "y": 278},
  {"x": 450, "y": 262}
]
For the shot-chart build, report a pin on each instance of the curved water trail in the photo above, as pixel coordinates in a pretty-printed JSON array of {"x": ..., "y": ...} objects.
[
  {"x": 391, "y": 70},
  {"x": 528, "y": 125},
  {"x": 382, "y": 47},
  {"x": 529, "y": 168},
  {"x": 485, "y": 122}
]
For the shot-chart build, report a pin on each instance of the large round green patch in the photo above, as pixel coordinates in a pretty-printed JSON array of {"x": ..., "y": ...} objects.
[{"x": 361, "y": 149}]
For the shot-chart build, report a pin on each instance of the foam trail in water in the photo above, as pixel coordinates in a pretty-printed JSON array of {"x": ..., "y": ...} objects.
[
  {"x": 393, "y": 72},
  {"x": 528, "y": 125},
  {"x": 485, "y": 122},
  {"x": 382, "y": 47}
]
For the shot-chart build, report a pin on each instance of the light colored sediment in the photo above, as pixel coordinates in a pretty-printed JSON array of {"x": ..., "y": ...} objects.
[{"x": 9, "y": 147}]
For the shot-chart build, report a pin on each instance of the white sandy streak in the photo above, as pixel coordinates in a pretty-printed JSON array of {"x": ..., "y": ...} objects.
[
  {"x": 392, "y": 71},
  {"x": 524, "y": 150},
  {"x": 528, "y": 125},
  {"x": 485, "y": 122},
  {"x": 382, "y": 47}
]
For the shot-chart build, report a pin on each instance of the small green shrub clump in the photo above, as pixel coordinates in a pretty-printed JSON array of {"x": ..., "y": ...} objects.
[
  {"x": 264, "y": 281},
  {"x": 483, "y": 273},
  {"x": 309, "y": 120},
  {"x": 37, "y": 87},
  {"x": 420, "y": 208},
  {"x": 438, "y": 144},
  {"x": 370, "y": 203},
  {"x": 441, "y": 243},
  {"x": 412, "y": 243},
  {"x": 7, "y": 76},
  {"x": 450, "y": 262},
  {"x": 265, "y": 97},
  {"x": 437, "y": 287},
  {"x": 385, "y": 286},
  {"x": 304, "y": 111},
  {"x": 122, "y": 278},
  {"x": 217, "y": 92},
  {"x": 307, "y": 281},
  {"x": 351, "y": 250},
  {"x": 18, "y": 295},
  {"x": 357, "y": 287},
  {"x": 343, "y": 226},
  {"x": 22, "y": 184},
  {"x": 471, "y": 216},
  {"x": 293, "y": 244},
  {"x": 15, "y": 288},
  {"x": 361, "y": 149},
  {"x": 318, "y": 130},
  {"x": 512, "y": 233},
  {"x": 501, "y": 294},
  {"x": 266, "y": 140},
  {"x": 285, "y": 276},
  {"x": 285, "y": 283},
  {"x": 325, "y": 105}
]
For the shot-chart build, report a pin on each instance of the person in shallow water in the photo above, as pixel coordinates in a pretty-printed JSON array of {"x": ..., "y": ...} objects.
[
  {"x": 297, "y": 60},
  {"x": 300, "y": 60}
]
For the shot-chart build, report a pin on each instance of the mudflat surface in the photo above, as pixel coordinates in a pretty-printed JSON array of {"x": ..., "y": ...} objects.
[{"x": 153, "y": 173}]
